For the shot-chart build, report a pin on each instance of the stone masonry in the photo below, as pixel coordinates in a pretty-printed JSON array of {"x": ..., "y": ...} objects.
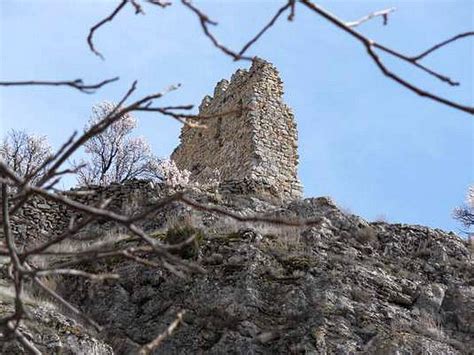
[{"x": 250, "y": 144}]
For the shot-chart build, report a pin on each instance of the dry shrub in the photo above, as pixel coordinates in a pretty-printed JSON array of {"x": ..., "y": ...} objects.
[{"x": 367, "y": 235}]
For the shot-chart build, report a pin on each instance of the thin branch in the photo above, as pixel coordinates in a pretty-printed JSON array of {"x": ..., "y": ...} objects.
[
  {"x": 73, "y": 272},
  {"x": 76, "y": 84},
  {"x": 138, "y": 7},
  {"x": 161, "y": 3},
  {"x": 442, "y": 44},
  {"x": 65, "y": 303},
  {"x": 383, "y": 13},
  {"x": 414, "y": 88},
  {"x": 10, "y": 243},
  {"x": 94, "y": 130},
  {"x": 16, "y": 270},
  {"x": 291, "y": 16},
  {"x": 187, "y": 119},
  {"x": 100, "y": 24},
  {"x": 370, "y": 45},
  {"x": 148, "y": 348},
  {"x": 205, "y": 22},
  {"x": 290, "y": 5},
  {"x": 67, "y": 234},
  {"x": 253, "y": 218},
  {"x": 22, "y": 339}
]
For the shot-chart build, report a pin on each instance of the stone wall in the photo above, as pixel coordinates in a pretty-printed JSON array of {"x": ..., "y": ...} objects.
[
  {"x": 40, "y": 218},
  {"x": 250, "y": 143}
]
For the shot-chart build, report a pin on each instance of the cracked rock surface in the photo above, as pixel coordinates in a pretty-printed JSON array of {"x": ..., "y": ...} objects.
[{"x": 344, "y": 286}]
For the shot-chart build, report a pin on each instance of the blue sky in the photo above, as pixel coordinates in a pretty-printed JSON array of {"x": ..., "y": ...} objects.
[{"x": 374, "y": 147}]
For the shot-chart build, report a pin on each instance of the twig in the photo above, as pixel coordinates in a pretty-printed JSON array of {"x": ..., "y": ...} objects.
[
  {"x": 160, "y": 3},
  {"x": 383, "y": 13},
  {"x": 67, "y": 234},
  {"x": 100, "y": 24},
  {"x": 65, "y": 303},
  {"x": 205, "y": 22},
  {"x": 76, "y": 84},
  {"x": 72, "y": 272},
  {"x": 441, "y": 44},
  {"x": 290, "y": 5},
  {"x": 253, "y": 218},
  {"x": 148, "y": 348},
  {"x": 22, "y": 339},
  {"x": 370, "y": 45}
]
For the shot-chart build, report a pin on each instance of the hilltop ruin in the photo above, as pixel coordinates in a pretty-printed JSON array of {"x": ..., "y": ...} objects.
[{"x": 252, "y": 146}]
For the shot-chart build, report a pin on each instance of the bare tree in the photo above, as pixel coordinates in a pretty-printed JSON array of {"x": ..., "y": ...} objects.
[
  {"x": 465, "y": 214},
  {"x": 25, "y": 153},
  {"x": 114, "y": 156}
]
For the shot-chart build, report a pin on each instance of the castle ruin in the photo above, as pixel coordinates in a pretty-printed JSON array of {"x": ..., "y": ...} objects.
[{"x": 250, "y": 144}]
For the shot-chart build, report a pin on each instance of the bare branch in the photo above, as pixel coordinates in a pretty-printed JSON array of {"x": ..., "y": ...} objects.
[
  {"x": 76, "y": 84},
  {"x": 22, "y": 339},
  {"x": 290, "y": 5},
  {"x": 370, "y": 45},
  {"x": 383, "y": 13},
  {"x": 205, "y": 22},
  {"x": 190, "y": 120},
  {"x": 291, "y": 16},
  {"x": 65, "y": 303},
  {"x": 72, "y": 272},
  {"x": 441, "y": 44},
  {"x": 160, "y": 3},
  {"x": 148, "y": 348},
  {"x": 67, "y": 234},
  {"x": 138, "y": 7},
  {"x": 100, "y": 24},
  {"x": 252, "y": 218}
]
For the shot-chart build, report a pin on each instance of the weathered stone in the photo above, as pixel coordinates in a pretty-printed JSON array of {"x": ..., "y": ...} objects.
[{"x": 247, "y": 132}]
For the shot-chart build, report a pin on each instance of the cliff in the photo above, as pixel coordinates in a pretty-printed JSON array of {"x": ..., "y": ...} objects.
[{"x": 344, "y": 286}]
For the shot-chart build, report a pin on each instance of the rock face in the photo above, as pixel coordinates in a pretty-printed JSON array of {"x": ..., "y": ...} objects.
[
  {"x": 50, "y": 331},
  {"x": 250, "y": 143},
  {"x": 343, "y": 286}
]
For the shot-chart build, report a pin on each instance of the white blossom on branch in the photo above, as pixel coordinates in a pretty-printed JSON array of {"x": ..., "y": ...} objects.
[
  {"x": 25, "y": 153},
  {"x": 172, "y": 175},
  {"x": 114, "y": 156},
  {"x": 465, "y": 214}
]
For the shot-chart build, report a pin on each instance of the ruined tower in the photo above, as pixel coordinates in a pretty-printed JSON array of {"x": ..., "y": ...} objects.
[{"x": 251, "y": 140}]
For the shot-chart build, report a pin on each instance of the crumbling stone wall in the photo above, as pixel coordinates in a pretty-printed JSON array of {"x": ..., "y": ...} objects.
[
  {"x": 40, "y": 219},
  {"x": 250, "y": 143}
]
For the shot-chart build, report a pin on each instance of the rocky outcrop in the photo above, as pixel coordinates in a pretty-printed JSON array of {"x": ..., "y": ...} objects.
[
  {"x": 51, "y": 331},
  {"x": 344, "y": 286}
]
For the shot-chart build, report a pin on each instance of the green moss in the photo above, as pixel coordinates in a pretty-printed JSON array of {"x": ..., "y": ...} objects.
[{"x": 178, "y": 235}]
